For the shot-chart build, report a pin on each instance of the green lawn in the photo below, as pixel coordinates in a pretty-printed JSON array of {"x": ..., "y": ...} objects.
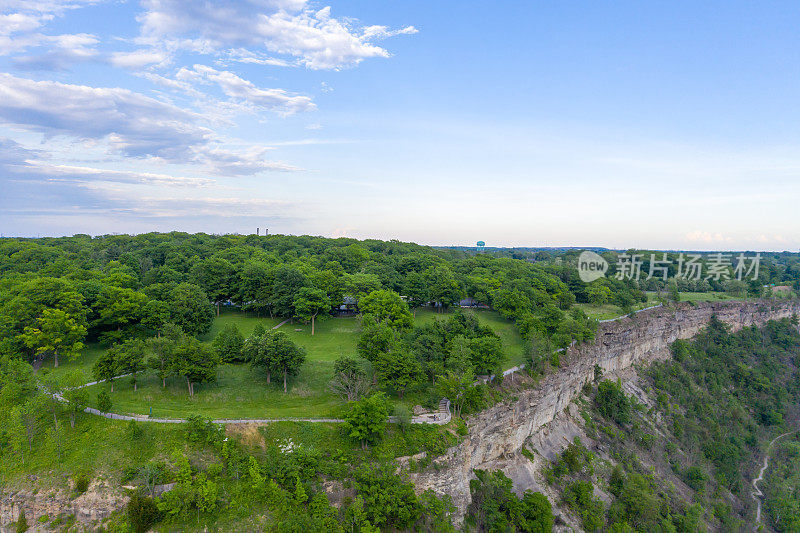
[
  {"x": 609, "y": 311},
  {"x": 239, "y": 392},
  {"x": 245, "y": 321}
]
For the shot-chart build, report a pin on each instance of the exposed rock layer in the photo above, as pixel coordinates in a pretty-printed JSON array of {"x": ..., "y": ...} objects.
[
  {"x": 88, "y": 509},
  {"x": 500, "y": 431}
]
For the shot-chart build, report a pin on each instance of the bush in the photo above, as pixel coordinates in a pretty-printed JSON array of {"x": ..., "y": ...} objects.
[
  {"x": 103, "y": 402},
  {"x": 612, "y": 402},
  {"x": 22, "y": 522},
  {"x": 200, "y": 430},
  {"x": 403, "y": 416},
  {"x": 81, "y": 484},
  {"x": 142, "y": 512}
]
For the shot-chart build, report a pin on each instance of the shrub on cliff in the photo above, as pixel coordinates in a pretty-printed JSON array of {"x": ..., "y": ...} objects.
[{"x": 612, "y": 402}]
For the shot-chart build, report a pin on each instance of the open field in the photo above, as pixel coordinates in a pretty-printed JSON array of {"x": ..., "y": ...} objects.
[{"x": 241, "y": 392}]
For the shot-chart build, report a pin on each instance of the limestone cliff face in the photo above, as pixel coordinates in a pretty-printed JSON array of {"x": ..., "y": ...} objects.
[
  {"x": 89, "y": 509},
  {"x": 501, "y": 431}
]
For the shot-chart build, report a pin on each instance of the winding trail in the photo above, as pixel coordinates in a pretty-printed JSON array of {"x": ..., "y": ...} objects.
[{"x": 756, "y": 493}]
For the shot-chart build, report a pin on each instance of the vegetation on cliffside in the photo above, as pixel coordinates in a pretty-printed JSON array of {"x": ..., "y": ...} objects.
[{"x": 680, "y": 457}]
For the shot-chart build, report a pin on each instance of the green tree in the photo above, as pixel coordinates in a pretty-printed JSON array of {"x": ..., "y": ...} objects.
[
  {"x": 460, "y": 389},
  {"x": 375, "y": 339},
  {"x": 217, "y": 277},
  {"x": 365, "y": 422},
  {"x": 350, "y": 380},
  {"x": 106, "y": 367},
  {"x": 129, "y": 357},
  {"x": 195, "y": 362},
  {"x": 57, "y": 333},
  {"x": 289, "y": 357},
  {"x": 398, "y": 368},
  {"x": 274, "y": 351},
  {"x": 76, "y": 396},
  {"x": 442, "y": 285},
  {"x": 415, "y": 290},
  {"x": 386, "y": 307},
  {"x": 309, "y": 303},
  {"x": 155, "y": 314},
  {"x": 190, "y": 309},
  {"x": 228, "y": 344},
  {"x": 162, "y": 351},
  {"x": 487, "y": 353},
  {"x": 103, "y": 402}
]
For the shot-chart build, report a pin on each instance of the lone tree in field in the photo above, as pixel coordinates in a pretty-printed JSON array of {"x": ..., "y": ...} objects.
[
  {"x": 195, "y": 362},
  {"x": 56, "y": 332},
  {"x": 256, "y": 352},
  {"x": 350, "y": 381},
  {"x": 162, "y": 348},
  {"x": 274, "y": 351},
  {"x": 77, "y": 397},
  {"x": 309, "y": 303},
  {"x": 289, "y": 357},
  {"x": 228, "y": 344},
  {"x": 129, "y": 357}
]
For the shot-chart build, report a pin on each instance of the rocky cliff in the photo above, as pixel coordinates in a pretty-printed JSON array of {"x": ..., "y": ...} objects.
[
  {"x": 48, "y": 510},
  {"x": 498, "y": 433}
]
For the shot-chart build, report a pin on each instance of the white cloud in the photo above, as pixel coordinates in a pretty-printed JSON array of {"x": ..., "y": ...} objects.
[
  {"x": 133, "y": 124},
  {"x": 242, "y": 162},
  {"x": 138, "y": 58},
  {"x": 243, "y": 91},
  {"x": 89, "y": 174},
  {"x": 292, "y": 28},
  {"x": 707, "y": 237}
]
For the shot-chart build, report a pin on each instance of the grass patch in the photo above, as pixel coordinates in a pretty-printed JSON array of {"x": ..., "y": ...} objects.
[{"x": 239, "y": 392}]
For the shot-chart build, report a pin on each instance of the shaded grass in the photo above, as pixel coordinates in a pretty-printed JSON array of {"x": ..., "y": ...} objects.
[
  {"x": 239, "y": 392},
  {"x": 246, "y": 322}
]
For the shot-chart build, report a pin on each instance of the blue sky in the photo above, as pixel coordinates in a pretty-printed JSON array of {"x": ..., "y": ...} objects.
[{"x": 623, "y": 124}]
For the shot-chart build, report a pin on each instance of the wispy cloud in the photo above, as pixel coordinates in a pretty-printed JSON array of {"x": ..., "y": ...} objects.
[{"x": 292, "y": 28}]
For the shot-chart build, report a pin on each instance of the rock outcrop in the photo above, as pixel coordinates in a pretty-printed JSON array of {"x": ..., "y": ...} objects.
[
  {"x": 500, "y": 431},
  {"x": 44, "y": 509}
]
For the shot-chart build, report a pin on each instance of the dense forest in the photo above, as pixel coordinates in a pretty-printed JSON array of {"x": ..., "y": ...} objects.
[{"x": 152, "y": 307}]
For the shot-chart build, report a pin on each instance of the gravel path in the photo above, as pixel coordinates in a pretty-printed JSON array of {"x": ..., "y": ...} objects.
[{"x": 757, "y": 494}]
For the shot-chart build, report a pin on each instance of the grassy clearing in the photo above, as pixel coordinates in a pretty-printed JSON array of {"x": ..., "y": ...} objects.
[
  {"x": 246, "y": 322},
  {"x": 239, "y": 392},
  {"x": 609, "y": 311}
]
